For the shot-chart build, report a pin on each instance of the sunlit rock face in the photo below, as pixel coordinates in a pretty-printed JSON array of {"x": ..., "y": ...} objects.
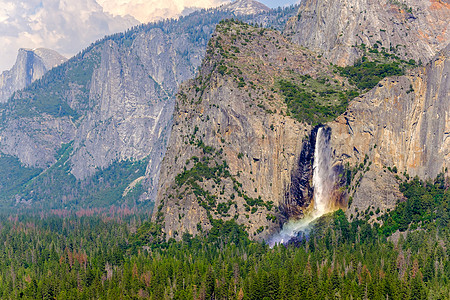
[
  {"x": 404, "y": 122},
  {"x": 416, "y": 29}
]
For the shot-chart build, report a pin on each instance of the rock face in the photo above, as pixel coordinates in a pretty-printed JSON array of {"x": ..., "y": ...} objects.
[
  {"x": 31, "y": 64},
  {"x": 111, "y": 103},
  {"x": 404, "y": 123},
  {"x": 233, "y": 152},
  {"x": 416, "y": 29},
  {"x": 246, "y": 7}
]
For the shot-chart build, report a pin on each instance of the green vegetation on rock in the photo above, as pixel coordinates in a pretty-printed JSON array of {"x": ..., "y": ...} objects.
[
  {"x": 13, "y": 175},
  {"x": 314, "y": 101},
  {"x": 426, "y": 206},
  {"x": 373, "y": 66},
  {"x": 49, "y": 94},
  {"x": 366, "y": 74}
]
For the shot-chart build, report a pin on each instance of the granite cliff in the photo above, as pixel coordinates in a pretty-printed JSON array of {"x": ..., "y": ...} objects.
[
  {"x": 398, "y": 129},
  {"x": 31, "y": 64},
  {"x": 246, "y": 7},
  {"x": 415, "y": 29},
  {"x": 234, "y": 152}
]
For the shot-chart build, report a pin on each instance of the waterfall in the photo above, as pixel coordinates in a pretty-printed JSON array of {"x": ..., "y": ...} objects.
[
  {"x": 323, "y": 181},
  {"x": 323, "y": 175}
]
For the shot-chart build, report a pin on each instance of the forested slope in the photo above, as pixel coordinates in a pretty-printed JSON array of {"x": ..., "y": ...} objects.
[{"x": 106, "y": 258}]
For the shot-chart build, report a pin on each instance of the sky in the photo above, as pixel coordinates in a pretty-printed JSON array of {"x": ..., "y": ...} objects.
[{"x": 68, "y": 26}]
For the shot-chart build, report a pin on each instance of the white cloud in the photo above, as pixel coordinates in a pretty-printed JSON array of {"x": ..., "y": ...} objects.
[
  {"x": 66, "y": 26},
  {"x": 150, "y": 10}
]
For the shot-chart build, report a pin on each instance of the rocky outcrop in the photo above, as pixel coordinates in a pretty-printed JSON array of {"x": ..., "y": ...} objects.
[
  {"x": 31, "y": 64},
  {"x": 415, "y": 29},
  {"x": 404, "y": 123},
  {"x": 233, "y": 145}
]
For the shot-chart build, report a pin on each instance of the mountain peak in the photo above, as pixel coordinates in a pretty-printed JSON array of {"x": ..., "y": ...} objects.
[
  {"x": 31, "y": 64},
  {"x": 50, "y": 58},
  {"x": 246, "y": 7}
]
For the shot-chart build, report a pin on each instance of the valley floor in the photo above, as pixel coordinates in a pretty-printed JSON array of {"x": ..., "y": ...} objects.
[{"x": 99, "y": 257}]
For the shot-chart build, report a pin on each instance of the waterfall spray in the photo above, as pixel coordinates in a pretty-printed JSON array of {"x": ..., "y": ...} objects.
[{"x": 323, "y": 181}]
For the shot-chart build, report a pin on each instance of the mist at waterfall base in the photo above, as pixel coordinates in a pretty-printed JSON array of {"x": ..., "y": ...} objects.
[{"x": 324, "y": 179}]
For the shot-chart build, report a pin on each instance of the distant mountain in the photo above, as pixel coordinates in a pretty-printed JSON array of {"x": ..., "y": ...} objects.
[
  {"x": 93, "y": 131},
  {"x": 31, "y": 64},
  {"x": 246, "y": 7}
]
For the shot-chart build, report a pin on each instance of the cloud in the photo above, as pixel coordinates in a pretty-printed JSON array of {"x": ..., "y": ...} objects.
[
  {"x": 151, "y": 10},
  {"x": 66, "y": 26}
]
